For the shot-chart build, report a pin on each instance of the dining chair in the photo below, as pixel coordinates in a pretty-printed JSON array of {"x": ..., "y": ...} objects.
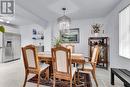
[
  {"x": 72, "y": 50},
  {"x": 71, "y": 47},
  {"x": 32, "y": 63},
  {"x": 62, "y": 69},
  {"x": 90, "y": 66}
]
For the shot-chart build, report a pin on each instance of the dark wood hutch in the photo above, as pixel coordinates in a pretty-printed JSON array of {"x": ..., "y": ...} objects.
[{"x": 103, "y": 55}]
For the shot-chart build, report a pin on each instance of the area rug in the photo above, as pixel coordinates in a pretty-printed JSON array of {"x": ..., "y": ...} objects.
[{"x": 85, "y": 81}]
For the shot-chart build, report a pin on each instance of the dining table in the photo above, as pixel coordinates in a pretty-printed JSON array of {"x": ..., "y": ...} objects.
[{"x": 77, "y": 58}]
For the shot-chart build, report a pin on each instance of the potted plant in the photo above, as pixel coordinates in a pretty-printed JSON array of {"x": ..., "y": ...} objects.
[
  {"x": 2, "y": 29},
  {"x": 96, "y": 28},
  {"x": 58, "y": 42}
]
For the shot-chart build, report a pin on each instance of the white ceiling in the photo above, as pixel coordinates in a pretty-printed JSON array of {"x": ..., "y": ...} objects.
[
  {"x": 78, "y": 9},
  {"x": 44, "y": 11}
]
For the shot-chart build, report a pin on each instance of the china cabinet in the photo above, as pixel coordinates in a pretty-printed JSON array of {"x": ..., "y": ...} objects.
[{"x": 103, "y": 55}]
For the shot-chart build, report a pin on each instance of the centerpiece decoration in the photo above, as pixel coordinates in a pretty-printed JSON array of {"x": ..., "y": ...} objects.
[
  {"x": 96, "y": 28},
  {"x": 57, "y": 42}
]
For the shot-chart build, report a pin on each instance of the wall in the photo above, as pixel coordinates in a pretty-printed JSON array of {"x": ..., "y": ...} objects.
[
  {"x": 111, "y": 27},
  {"x": 112, "y": 24},
  {"x": 48, "y": 38},
  {"x": 27, "y": 33},
  {"x": 85, "y": 32},
  {"x": 25, "y": 17}
]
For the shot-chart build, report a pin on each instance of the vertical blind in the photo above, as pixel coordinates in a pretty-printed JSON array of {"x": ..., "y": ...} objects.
[{"x": 124, "y": 32}]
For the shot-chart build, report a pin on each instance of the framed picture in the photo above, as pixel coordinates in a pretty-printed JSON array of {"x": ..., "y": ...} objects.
[{"x": 71, "y": 37}]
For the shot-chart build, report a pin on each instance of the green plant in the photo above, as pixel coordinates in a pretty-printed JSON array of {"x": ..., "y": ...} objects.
[
  {"x": 96, "y": 28},
  {"x": 2, "y": 29},
  {"x": 58, "y": 41}
]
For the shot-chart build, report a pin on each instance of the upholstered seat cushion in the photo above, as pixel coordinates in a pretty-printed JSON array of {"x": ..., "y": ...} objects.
[
  {"x": 86, "y": 66},
  {"x": 43, "y": 66},
  {"x": 74, "y": 69}
]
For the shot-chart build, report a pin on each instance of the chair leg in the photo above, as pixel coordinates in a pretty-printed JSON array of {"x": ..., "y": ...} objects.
[
  {"x": 75, "y": 79},
  {"x": 94, "y": 77},
  {"x": 47, "y": 73},
  {"x": 54, "y": 80},
  {"x": 26, "y": 75},
  {"x": 71, "y": 83},
  {"x": 38, "y": 80},
  {"x": 78, "y": 77}
]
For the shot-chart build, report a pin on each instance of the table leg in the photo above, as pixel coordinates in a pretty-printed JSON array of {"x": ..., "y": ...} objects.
[
  {"x": 107, "y": 66},
  {"x": 126, "y": 85},
  {"x": 112, "y": 78}
]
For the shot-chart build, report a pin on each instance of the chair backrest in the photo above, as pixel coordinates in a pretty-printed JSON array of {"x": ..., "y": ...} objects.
[
  {"x": 95, "y": 54},
  {"x": 61, "y": 60},
  {"x": 71, "y": 47},
  {"x": 30, "y": 57}
]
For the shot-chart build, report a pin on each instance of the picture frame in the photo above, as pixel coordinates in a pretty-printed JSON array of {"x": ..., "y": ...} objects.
[
  {"x": 37, "y": 35},
  {"x": 71, "y": 37}
]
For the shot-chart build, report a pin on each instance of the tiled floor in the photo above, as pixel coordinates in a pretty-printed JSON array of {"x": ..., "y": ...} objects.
[
  {"x": 103, "y": 77},
  {"x": 11, "y": 75}
]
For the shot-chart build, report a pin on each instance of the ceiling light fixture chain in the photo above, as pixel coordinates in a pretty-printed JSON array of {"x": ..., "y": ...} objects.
[{"x": 64, "y": 9}]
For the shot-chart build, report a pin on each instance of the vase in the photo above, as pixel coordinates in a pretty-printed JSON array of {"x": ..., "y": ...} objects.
[
  {"x": 96, "y": 34},
  {"x": 58, "y": 45}
]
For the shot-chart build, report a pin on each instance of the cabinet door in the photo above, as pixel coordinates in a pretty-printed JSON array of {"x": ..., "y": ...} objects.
[
  {"x": 1, "y": 39},
  {"x": 1, "y": 55},
  {"x": 1, "y": 45},
  {"x": 103, "y": 54},
  {"x": 7, "y": 50}
]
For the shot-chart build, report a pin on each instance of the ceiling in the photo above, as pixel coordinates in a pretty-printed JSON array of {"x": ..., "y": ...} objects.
[
  {"x": 44, "y": 11},
  {"x": 77, "y": 9}
]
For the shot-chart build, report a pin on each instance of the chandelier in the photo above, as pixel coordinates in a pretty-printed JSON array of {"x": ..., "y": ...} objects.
[{"x": 64, "y": 22}]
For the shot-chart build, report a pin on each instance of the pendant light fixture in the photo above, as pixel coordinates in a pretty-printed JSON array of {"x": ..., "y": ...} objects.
[{"x": 64, "y": 22}]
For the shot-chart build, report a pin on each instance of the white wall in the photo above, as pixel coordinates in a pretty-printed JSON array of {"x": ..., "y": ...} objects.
[
  {"x": 85, "y": 32},
  {"x": 111, "y": 27},
  {"x": 48, "y": 38},
  {"x": 25, "y": 17},
  {"x": 26, "y": 36},
  {"x": 112, "y": 24}
]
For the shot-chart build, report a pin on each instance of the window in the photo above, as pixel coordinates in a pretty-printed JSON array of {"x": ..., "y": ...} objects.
[{"x": 124, "y": 32}]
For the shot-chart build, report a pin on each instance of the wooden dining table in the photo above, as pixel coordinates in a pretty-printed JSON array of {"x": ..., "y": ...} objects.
[{"x": 75, "y": 57}]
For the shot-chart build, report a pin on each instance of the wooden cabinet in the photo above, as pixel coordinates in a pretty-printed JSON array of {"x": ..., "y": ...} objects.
[{"x": 103, "y": 46}]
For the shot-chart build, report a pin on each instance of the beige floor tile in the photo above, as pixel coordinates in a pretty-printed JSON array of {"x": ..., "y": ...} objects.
[{"x": 12, "y": 75}]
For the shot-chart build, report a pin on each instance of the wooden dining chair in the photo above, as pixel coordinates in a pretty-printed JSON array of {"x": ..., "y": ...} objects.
[
  {"x": 62, "y": 68},
  {"x": 71, "y": 47},
  {"x": 90, "y": 66},
  {"x": 32, "y": 63}
]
